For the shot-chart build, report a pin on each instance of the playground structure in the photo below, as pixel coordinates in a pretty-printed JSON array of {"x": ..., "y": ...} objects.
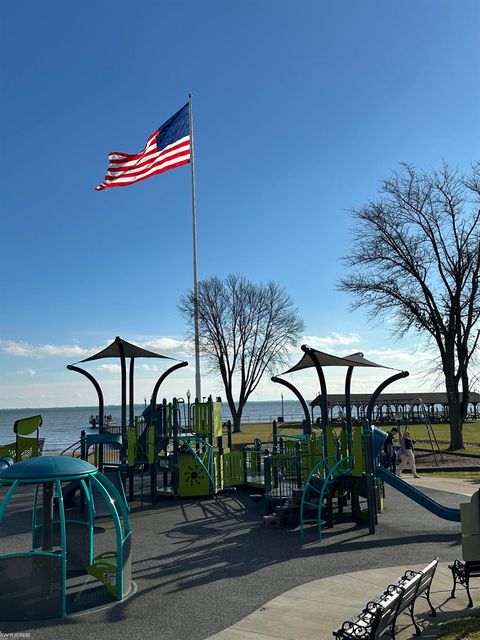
[
  {"x": 28, "y": 443},
  {"x": 182, "y": 459},
  {"x": 356, "y": 470},
  {"x": 51, "y": 579},
  {"x": 124, "y": 350},
  {"x": 159, "y": 454}
]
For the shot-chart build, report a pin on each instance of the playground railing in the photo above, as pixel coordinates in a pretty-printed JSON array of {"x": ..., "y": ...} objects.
[
  {"x": 285, "y": 471},
  {"x": 73, "y": 450}
]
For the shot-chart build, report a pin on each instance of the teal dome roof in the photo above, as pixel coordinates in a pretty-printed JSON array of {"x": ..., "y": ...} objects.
[{"x": 46, "y": 468}]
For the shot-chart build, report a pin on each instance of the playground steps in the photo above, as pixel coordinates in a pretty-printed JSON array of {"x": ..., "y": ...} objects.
[
  {"x": 271, "y": 521},
  {"x": 284, "y": 514}
]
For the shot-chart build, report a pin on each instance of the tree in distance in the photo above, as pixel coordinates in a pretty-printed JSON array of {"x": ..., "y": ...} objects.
[
  {"x": 415, "y": 259},
  {"x": 245, "y": 330}
]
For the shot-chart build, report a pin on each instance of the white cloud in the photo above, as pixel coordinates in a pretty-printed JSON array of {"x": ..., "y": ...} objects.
[
  {"x": 109, "y": 368},
  {"x": 77, "y": 352},
  {"x": 333, "y": 340},
  {"x": 161, "y": 344},
  {"x": 27, "y": 372},
  {"x": 26, "y": 350},
  {"x": 149, "y": 367},
  {"x": 397, "y": 355}
]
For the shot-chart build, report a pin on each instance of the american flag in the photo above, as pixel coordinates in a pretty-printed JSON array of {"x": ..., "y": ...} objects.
[{"x": 168, "y": 147}]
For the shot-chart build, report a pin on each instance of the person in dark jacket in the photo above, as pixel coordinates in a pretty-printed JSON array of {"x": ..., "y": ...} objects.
[{"x": 389, "y": 455}]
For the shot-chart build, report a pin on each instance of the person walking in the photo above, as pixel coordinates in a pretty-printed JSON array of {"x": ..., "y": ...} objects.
[
  {"x": 408, "y": 456},
  {"x": 389, "y": 455}
]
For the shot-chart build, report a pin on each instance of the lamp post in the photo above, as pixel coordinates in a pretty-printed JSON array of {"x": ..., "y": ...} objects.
[{"x": 189, "y": 395}]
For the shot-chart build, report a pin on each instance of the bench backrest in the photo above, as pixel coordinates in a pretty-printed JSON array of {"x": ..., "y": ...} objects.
[
  {"x": 427, "y": 576},
  {"x": 472, "y": 568},
  {"x": 411, "y": 588},
  {"x": 390, "y": 603}
]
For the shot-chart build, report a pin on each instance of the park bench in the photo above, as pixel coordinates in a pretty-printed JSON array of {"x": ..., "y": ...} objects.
[
  {"x": 470, "y": 567},
  {"x": 379, "y": 616},
  {"x": 463, "y": 571}
]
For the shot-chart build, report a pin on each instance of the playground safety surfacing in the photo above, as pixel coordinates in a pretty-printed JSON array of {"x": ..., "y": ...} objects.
[
  {"x": 85, "y": 596},
  {"x": 201, "y": 566}
]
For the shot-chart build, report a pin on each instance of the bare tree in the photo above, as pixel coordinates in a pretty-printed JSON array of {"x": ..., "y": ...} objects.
[
  {"x": 245, "y": 330},
  {"x": 415, "y": 259}
]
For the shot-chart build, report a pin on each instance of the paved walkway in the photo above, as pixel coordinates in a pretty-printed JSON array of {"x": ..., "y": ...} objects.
[
  {"x": 451, "y": 485},
  {"x": 314, "y": 610},
  {"x": 209, "y": 569}
]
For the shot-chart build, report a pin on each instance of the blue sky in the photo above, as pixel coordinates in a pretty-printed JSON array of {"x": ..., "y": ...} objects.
[{"x": 300, "y": 109}]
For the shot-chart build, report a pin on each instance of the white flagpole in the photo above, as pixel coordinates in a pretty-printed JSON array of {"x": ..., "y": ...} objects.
[{"x": 198, "y": 387}]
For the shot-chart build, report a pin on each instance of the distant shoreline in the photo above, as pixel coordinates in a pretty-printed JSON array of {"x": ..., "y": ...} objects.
[{"x": 138, "y": 404}]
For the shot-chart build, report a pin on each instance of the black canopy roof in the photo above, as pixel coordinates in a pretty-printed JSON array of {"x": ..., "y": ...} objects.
[
  {"x": 328, "y": 360},
  {"x": 130, "y": 350}
]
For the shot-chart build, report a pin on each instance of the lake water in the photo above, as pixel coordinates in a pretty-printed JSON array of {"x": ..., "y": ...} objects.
[{"x": 62, "y": 425}]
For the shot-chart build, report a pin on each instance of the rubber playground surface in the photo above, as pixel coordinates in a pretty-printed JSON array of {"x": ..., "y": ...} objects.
[{"x": 202, "y": 566}]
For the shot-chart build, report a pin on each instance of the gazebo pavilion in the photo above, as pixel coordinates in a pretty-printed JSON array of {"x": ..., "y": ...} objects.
[{"x": 391, "y": 407}]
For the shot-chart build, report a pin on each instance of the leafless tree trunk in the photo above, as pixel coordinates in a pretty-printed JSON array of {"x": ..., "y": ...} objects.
[
  {"x": 415, "y": 259},
  {"x": 245, "y": 330}
]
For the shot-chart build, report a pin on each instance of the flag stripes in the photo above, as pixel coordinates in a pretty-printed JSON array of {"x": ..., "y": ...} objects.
[{"x": 168, "y": 147}]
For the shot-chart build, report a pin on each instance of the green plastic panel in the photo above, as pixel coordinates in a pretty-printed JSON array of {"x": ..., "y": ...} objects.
[
  {"x": 150, "y": 440},
  {"x": 202, "y": 418},
  {"x": 26, "y": 426},
  {"x": 27, "y": 448},
  {"x": 357, "y": 451},
  {"x": 233, "y": 469},
  {"x": 217, "y": 420},
  {"x": 104, "y": 568},
  {"x": 218, "y": 470},
  {"x": 8, "y": 450},
  {"x": 343, "y": 443},
  {"x": 132, "y": 440},
  {"x": 193, "y": 478},
  {"x": 331, "y": 446}
]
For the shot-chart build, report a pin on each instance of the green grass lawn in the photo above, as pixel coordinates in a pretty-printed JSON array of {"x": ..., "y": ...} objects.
[
  {"x": 262, "y": 431},
  {"x": 462, "y": 475},
  {"x": 471, "y": 434},
  {"x": 465, "y": 628}
]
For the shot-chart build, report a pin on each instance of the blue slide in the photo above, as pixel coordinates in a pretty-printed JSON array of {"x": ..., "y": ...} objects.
[{"x": 447, "y": 513}]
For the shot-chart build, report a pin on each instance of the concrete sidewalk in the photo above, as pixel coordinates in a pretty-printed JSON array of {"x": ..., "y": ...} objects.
[
  {"x": 314, "y": 610},
  {"x": 451, "y": 485},
  {"x": 207, "y": 568}
]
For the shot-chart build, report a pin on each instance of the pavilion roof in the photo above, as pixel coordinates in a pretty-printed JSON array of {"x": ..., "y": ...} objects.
[{"x": 439, "y": 397}]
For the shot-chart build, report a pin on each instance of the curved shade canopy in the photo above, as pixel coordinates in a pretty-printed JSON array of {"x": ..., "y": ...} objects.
[
  {"x": 130, "y": 350},
  {"x": 328, "y": 360}
]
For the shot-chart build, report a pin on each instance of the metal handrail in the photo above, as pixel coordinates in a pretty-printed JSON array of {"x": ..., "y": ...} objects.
[
  {"x": 79, "y": 443},
  {"x": 329, "y": 479}
]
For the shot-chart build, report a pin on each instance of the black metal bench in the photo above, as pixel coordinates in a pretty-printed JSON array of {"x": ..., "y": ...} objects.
[
  {"x": 380, "y": 615},
  {"x": 422, "y": 590},
  {"x": 462, "y": 572}
]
